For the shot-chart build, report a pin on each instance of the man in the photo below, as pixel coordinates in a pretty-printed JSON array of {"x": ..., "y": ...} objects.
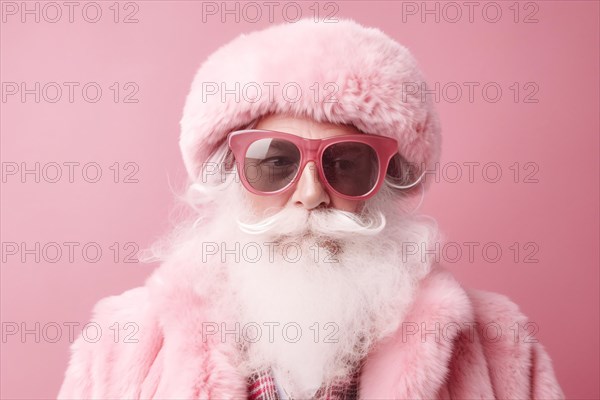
[{"x": 297, "y": 276}]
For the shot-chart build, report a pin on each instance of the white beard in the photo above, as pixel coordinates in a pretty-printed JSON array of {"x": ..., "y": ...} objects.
[{"x": 342, "y": 308}]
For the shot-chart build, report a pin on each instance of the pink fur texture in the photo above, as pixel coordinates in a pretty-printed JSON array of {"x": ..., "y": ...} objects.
[
  {"x": 452, "y": 360},
  {"x": 346, "y": 73}
]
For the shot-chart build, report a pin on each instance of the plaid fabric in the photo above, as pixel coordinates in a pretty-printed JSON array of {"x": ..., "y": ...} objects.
[{"x": 261, "y": 386}]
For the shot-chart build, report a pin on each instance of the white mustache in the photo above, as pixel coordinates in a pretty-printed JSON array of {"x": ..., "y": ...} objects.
[{"x": 334, "y": 223}]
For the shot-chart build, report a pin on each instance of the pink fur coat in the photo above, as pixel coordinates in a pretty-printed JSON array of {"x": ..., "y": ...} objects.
[{"x": 455, "y": 343}]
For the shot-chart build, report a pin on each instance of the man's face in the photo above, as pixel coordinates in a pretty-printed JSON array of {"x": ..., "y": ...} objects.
[{"x": 309, "y": 192}]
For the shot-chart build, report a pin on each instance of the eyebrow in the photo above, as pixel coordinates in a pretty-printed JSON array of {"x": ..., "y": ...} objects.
[
  {"x": 350, "y": 150},
  {"x": 280, "y": 144}
]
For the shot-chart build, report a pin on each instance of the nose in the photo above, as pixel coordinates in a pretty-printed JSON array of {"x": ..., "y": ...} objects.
[{"x": 310, "y": 192}]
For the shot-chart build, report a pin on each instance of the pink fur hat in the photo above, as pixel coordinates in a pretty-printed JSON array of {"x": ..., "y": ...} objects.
[{"x": 339, "y": 72}]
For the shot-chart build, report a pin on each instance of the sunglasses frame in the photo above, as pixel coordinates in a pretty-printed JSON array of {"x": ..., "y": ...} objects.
[{"x": 312, "y": 150}]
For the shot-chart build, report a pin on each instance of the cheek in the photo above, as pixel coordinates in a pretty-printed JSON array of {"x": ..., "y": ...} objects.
[{"x": 260, "y": 203}]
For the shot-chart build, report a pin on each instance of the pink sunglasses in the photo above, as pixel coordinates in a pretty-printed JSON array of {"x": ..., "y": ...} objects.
[{"x": 352, "y": 166}]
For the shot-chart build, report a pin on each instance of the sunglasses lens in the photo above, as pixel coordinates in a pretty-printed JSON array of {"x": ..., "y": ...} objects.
[
  {"x": 271, "y": 164},
  {"x": 351, "y": 168},
  {"x": 402, "y": 173}
]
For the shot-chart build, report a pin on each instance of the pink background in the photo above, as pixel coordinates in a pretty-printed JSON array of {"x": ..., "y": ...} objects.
[{"x": 161, "y": 52}]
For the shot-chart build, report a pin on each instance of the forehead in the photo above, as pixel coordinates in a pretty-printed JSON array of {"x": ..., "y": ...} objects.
[{"x": 304, "y": 127}]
